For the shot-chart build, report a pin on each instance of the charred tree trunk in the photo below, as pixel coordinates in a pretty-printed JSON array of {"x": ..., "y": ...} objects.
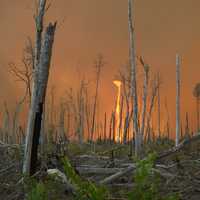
[{"x": 37, "y": 102}]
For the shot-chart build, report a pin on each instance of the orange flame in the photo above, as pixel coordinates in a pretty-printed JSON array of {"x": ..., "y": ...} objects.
[{"x": 118, "y": 137}]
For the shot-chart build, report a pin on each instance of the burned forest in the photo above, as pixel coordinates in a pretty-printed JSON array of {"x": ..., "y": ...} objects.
[{"x": 100, "y": 100}]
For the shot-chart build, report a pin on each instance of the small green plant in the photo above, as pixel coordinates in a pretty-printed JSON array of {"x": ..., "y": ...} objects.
[
  {"x": 147, "y": 182},
  {"x": 37, "y": 192},
  {"x": 85, "y": 190}
]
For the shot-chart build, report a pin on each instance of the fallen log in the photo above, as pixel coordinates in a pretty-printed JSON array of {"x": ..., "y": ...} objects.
[
  {"x": 119, "y": 174},
  {"x": 179, "y": 147},
  {"x": 98, "y": 170},
  {"x": 93, "y": 157}
]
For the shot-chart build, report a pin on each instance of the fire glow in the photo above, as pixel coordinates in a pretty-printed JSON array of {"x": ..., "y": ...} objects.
[{"x": 118, "y": 137}]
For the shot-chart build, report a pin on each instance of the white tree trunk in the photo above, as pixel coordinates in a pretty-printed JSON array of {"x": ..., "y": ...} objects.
[
  {"x": 133, "y": 78},
  {"x": 177, "y": 99}
]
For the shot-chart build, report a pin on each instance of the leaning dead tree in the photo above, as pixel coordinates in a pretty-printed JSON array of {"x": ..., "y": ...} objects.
[
  {"x": 43, "y": 52},
  {"x": 177, "y": 99},
  {"x": 133, "y": 77},
  {"x": 155, "y": 85}
]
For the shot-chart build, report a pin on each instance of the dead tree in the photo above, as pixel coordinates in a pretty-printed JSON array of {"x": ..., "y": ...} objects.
[
  {"x": 152, "y": 101},
  {"x": 125, "y": 79},
  {"x": 87, "y": 112},
  {"x": 6, "y": 124},
  {"x": 52, "y": 113},
  {"x": 81, "y": 110},
  {"x": 177, "y": 99},
  {"x": 133, "y": 78},
  {"x": 99, "y": 63},
  {"x": 187, "y": 129},
  {"x": 159, "y": 106},
  {"x": 110, "y": 128},
  {"x": 62, "y": 121},
  {"x": 144, "y": 98},
  {"x": 167, "y": 123},
  {"x": 120, "y": 119},
  {"x": 73, "y": 110},
  {"x": 105, "y": 128},
  {"x": 196, "y": 93},
  {"x": 43, "y": 52},
  {"x": 114, "y": 126},
  {"x": 15, "y": 125},
  {"x": 24, "y": 73}
]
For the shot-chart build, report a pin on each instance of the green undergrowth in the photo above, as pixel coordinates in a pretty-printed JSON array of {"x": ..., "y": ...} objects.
[
  {"x": 49, "y": 188},
  {"x": 147, "y": 182},
  {"x": 85, "y": 190}
]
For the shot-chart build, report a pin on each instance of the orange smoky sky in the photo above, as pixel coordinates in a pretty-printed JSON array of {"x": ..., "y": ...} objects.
[{"x": 89, "y": 27}]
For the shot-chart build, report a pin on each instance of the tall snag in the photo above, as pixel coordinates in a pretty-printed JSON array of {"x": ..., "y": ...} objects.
[
  {"x": 133, "y": 78},
  {"x": 177, "y": 99},
  {"x": 43, "y": 52},
  {"x": 144, "y": 98}
]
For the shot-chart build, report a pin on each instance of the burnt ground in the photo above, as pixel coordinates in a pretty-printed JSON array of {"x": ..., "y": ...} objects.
[{"x": 180, "y": 172}]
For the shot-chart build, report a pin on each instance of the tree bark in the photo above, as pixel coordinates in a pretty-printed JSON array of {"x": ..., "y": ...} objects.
[{"x": 37, "y": 102}]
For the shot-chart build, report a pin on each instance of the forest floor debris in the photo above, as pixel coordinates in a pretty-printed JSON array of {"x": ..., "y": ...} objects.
[{"x": 179, "y": 171}]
